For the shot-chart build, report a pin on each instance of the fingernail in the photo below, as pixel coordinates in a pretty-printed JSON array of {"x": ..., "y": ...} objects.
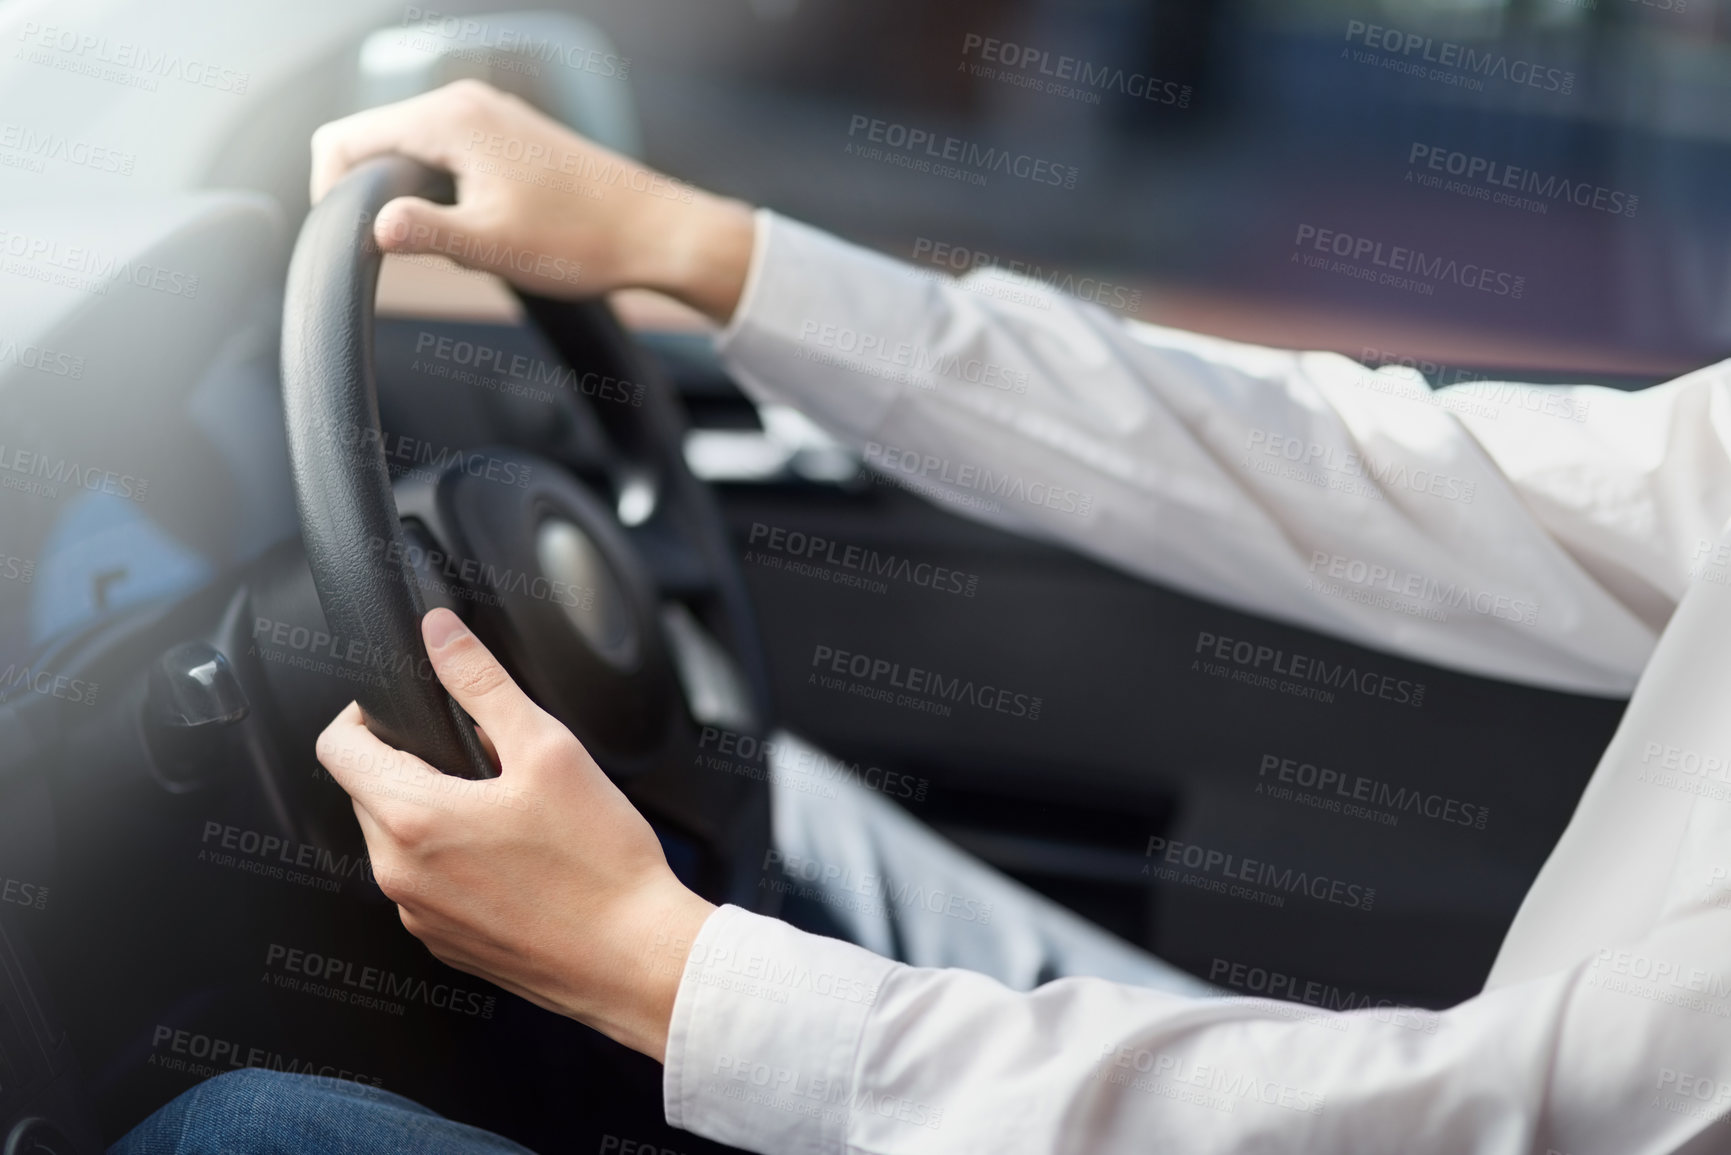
[{"x": 441, "y": 627}]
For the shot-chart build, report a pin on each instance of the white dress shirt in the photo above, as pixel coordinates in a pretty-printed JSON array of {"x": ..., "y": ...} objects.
[{"x": 1534, "y": 535}]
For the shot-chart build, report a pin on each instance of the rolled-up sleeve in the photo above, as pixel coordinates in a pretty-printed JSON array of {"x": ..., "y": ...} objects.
[
  {"x": 1620, "y": 1055},
  {"x": 1536, "y": 535}
]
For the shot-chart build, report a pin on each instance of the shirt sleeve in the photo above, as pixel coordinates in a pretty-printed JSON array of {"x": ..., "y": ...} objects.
[
  {"x": 786, "y": 1043},
  {"x": 1537, "y": 535}
]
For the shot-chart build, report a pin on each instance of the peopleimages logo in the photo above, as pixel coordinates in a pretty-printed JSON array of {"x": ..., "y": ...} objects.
[
  {"x": 1663, "y": 980},
  {"x": 872, "y": 895},
  {"x": 1686, "y": 770},
  {"x": 339, "y": 977},
  {"x": 1400, "y": 267},
  {"x": 1231, "y": 868},
  {"x": 918, "y": 363},
  {"x": 1459, "y": 64},
  {"x": 26, "y": 894},
  {"x": 84, "y": 269},
  {"x": 274, "y": 856},
  {"x": 706, "y": 964},
  {"x": 431, "y": 241},
  {"x": 1698, "y": 1096},
  {"x": 532, "y": 162},
  {"x": 914, "y": 681},
  {"x": 472, "y": 580},
  {"x": 1214, "y": 1085},
  {"x": 805, "y": 761},
  {"x": 1498, "y": 175},
  {"x": 1270, "y": 984},
  {"x": 529, "y": 371},
  {"x": 426, "y": 460},
  {"x": 961, "y": 259},
  {"x": 1067, "y": 76},
  {"x": 473, "y": 37},
  {"x": 1249, "y": 659},
  {"x": 123, "y": 61},
  {"x": 1335, "y": 786},
  {"x": 1354, "y": 465},
  {"x": 1374, "y": 577},
  {"x": 800, "y": 1093},
  {"x": 42, "y": 360},
  {"x": 207, "y": 1055},
  {"x": 48, "y": 684},
  {"x": 811, "y": 547},
  {"x": 316, "y": 650},
  {"x": 925, "y": 473},
  {"x": 34, "y": 148},
  {"x": 1464, "y": 391},
  {"x": 927, "y": 148},
  {"x": 43, "y": 476}
]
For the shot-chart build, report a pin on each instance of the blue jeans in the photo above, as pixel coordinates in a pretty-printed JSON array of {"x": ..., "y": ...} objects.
[{"x": 254, "y": 1112}]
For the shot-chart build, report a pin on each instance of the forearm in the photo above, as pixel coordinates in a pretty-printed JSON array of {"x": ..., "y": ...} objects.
[
  {"x": 698, "y": 253},
  {"x": 617, "y": 225},
  {"x": 631, "y": 1001}
]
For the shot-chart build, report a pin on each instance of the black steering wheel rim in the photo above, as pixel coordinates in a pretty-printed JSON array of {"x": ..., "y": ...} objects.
[
  {"x": 351, "y": 523},
  {"x": 342, "y": 485}
]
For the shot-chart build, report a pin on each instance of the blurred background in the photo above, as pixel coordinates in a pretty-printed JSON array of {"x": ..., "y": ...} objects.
[{"x": 1198, "y": 204}]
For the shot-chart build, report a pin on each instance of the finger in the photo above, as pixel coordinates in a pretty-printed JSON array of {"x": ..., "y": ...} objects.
[
  {"x": 414, "y": 225},
  {"x": 395, "y": 880},
  {"x": 368, "y": 769},
  {"x": 378, "y": 845},
  {"x": 417, "y": 127},
  {"x": 482, "y": 687},
  {"x": 487, "y": 745},
  {"x": 341, "y": 144}
]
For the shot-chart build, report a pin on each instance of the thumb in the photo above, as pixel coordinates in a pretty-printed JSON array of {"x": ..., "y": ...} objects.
[
  {"x": 482, "y": 686},
  {"x": 414, "y": 225}
]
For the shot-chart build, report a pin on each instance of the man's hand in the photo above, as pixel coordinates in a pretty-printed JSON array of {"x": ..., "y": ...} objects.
[
  {"x": 541, "y": 206},
  {"x": 544, "y": 880}
]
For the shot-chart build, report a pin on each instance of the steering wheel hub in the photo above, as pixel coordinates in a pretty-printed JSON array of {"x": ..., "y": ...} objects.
[
  {"x": 547, "y": 577},
  {"x": 594, "y": 603}
]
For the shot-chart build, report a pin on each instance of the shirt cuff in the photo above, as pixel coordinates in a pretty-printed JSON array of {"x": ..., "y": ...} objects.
[
  {"x": 765, "y": 1033},
  {"x": 829, "y": 327}
]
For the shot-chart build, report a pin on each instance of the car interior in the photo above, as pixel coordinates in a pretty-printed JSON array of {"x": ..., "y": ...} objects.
[{"x": 200, "y": 559}]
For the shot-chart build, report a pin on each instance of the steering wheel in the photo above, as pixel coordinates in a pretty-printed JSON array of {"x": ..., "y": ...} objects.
[{"x": 545, "y": 570}]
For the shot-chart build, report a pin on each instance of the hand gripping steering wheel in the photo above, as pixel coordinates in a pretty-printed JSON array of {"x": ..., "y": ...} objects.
[{"x": 605, "y": 667}]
